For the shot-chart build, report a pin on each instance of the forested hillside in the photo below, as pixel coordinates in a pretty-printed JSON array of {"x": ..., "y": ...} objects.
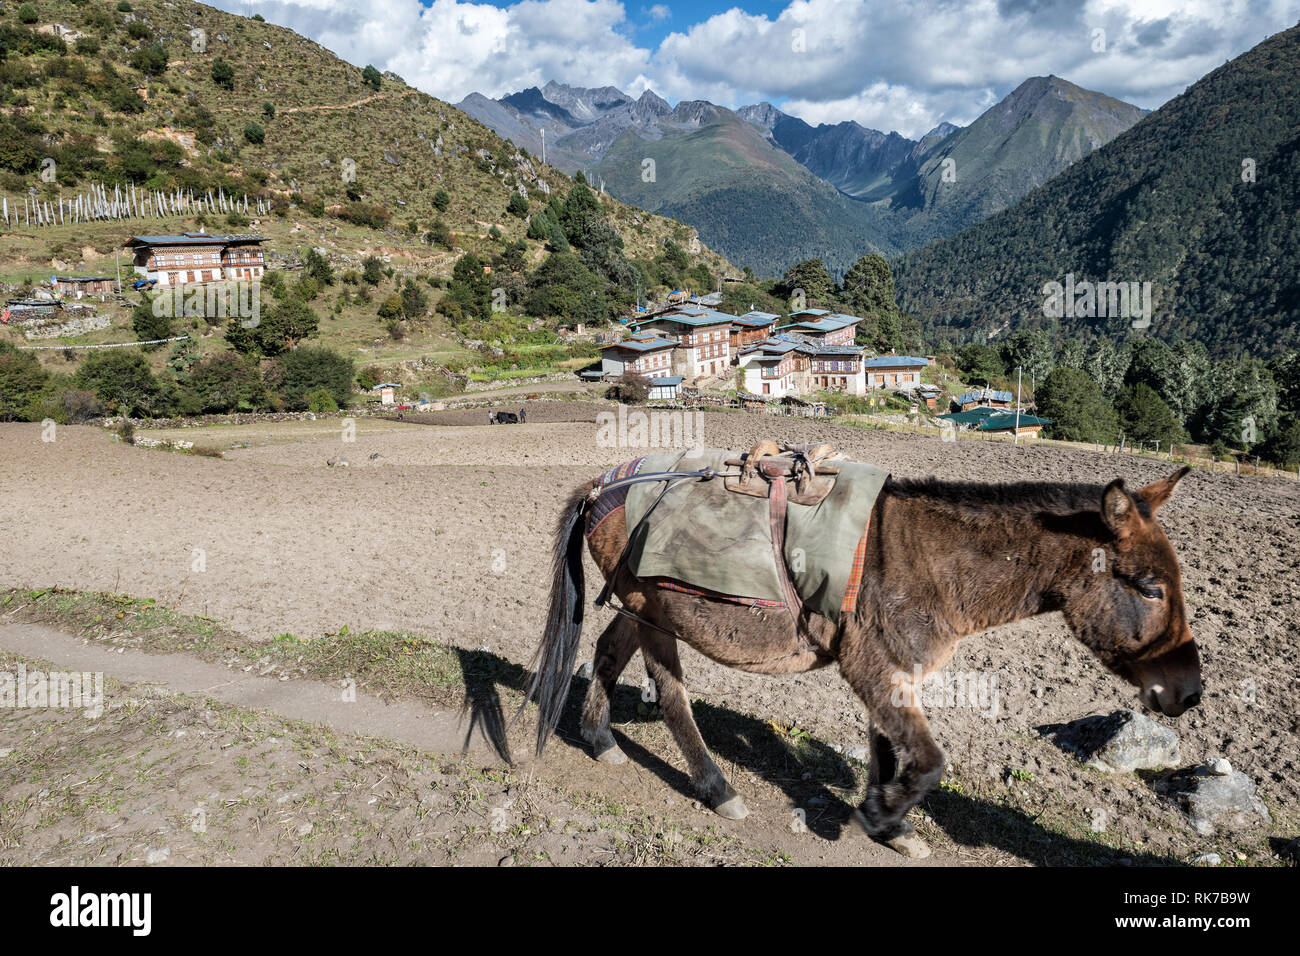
[{"x": 1199, "y": 199}]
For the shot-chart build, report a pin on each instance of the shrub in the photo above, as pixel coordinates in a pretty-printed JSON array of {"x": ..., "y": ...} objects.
[
  {"x": 138, "y": 30},
  {"x": 227, "y": 382},
  {"x": 79, "y": 406},
  {"x": 307, "y": 369},
  {"x": 518, "y": 206},
  {"x": 150, "y": 59},
  {"x": 439, "y": 234},
  {"x": 631, "y": 388},
  {"x": 123, "y": 7},
  {"x": 122, "y": 378},
  {"x": 365, "y": 214},
  {"x": 27, "y": 13},
  {"x": 372, "y": 77},
  {"x": 268, "y": 110},
  {"x": 148, "y": 326},
  {"x": 372, "y": 270},
  {"x": 414, "y": 301},
  {"x": 126, "y": 431},
  {"x": 321, "y": 400},
  {"x": 254, "y": 134},
  {"x": 318, "y": 267},
  {"x": 391, "y": 308},
  {"x": 223, "y": 74},
  {"x": 281, "y": 328},
  {"x": 441, "y": 200},
  {"x": 21, "y": 381},
  {"x": 86, "y": 46},
  {"x": 306, "y": 288}
]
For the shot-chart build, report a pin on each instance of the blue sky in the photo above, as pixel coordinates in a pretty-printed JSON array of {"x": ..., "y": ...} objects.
[{"x": 902, "y": 65}]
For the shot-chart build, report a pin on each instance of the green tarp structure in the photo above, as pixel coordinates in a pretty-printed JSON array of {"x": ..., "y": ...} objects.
[{"x": 707, "y": 537}]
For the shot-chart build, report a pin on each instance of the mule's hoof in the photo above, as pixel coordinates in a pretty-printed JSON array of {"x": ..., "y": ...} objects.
[
  {"x": 612, "y": 756},
  {"x": 910, "y": 845},
  {"x": 907, "y": 843},
  {"x": 733, "y": 808}
]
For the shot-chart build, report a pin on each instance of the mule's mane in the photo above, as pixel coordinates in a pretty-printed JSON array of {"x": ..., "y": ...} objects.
[{"x": 974, "y": 500}]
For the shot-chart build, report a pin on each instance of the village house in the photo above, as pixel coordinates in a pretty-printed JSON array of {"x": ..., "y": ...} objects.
[
  {"x": 772, "y": 367},
  {"x": 984, "y": 397},
  {"x": 895, "y": 371},
  {"x": 665, "y": 388},
  {"x": 197, "y": 257},
  {"x": 643, "y": 354},
  {"x": 828, "y": 328},
  {"x": 749, "y": 329},
  {"x": 929, "y": 394},
  {"x": 836, "y": 368},
  {"x": 77, "y": 286},
  {"x": 703, "y": 338}
]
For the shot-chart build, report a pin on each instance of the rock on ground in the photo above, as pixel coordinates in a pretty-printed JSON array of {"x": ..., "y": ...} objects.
[
  {"x": 1118, "y": 742},
  {"x": 1211, "y": 801}
]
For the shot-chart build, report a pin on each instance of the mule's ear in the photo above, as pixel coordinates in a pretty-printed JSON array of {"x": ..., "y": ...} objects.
[
  {"x": 1118, "y": 509},
  {"x": 1158, "y": 492}
]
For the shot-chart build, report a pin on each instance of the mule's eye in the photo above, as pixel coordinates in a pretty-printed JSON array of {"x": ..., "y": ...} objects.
[{"x": 1149, "y": 589}]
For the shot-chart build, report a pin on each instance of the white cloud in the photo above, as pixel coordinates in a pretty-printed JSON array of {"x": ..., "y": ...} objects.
[{"x": 904, "y": 65}]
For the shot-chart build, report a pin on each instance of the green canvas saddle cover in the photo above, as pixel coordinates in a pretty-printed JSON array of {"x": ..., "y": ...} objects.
[{"x": 707, "y": 537}]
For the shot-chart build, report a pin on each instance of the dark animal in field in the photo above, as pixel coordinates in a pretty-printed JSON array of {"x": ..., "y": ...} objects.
[
  {"x": 943, "y": 560},
  {"x": 507, "y": 418}
]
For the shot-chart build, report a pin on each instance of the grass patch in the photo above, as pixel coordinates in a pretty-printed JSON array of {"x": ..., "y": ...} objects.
[{"x": 386, "y": 663}]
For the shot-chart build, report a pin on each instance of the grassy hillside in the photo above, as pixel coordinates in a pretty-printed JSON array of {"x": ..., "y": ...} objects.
[
  {"x": 315, "y": 112},
  {"x": 1198, "y": 198}
]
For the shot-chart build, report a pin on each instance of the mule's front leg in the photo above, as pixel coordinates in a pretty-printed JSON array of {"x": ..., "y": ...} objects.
[
  {"x": 916, "y": 771},
  {"x": 906, "y": 765}
]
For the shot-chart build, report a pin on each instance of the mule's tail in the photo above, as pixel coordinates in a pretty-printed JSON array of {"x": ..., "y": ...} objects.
[{"x": 553, "y": 662}]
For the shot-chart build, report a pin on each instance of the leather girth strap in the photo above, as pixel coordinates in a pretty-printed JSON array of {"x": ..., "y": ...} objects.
[{"x": 776, "y": 512}]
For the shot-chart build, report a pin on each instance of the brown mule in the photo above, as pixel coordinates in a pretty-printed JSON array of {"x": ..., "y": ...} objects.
[{"x": 944, "y": 560}]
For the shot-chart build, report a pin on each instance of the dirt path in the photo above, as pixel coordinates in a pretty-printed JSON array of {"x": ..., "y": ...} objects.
[
  {"x": 321, "y": 106},
  {"x": 345, "y": 709}
]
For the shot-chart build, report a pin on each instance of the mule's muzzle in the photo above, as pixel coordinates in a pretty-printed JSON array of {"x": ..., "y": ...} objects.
[{"x": 1171, "y": 684}]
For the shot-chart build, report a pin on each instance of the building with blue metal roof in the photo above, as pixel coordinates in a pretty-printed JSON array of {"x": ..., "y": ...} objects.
[
  {"x": 984, "y": 396},
  {"x": 986, "y": 419},
  {"x": 641, "y": 355}
]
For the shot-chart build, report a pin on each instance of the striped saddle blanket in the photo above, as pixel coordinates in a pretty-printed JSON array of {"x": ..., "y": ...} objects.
[{"x": 703, "y": 539}]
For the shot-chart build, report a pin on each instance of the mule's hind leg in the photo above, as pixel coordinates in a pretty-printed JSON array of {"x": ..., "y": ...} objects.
[
  {"x": 614, "y": 648},
  {"x": 665, "y": 668}
]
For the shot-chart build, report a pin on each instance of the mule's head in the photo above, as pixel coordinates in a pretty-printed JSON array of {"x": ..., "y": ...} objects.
[{"x": 1127, "y": 606}]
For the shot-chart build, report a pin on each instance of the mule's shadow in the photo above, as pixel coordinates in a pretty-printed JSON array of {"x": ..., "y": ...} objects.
[
  {"x": 799, "y": 765},
  {"x": 481, "y": 710},
  {"x": 805, "y": 769}
]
